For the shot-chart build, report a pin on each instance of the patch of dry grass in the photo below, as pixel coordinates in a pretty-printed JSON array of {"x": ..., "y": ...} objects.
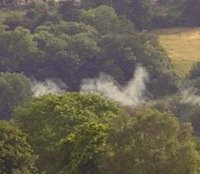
[{"x": 182, "y": 46}]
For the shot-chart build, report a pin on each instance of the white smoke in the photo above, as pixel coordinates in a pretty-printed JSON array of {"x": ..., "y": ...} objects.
[
  {"x": 130, "y": 95},
  {"x": 188, "y": 96},
  {"x": 47, "y": 87}
]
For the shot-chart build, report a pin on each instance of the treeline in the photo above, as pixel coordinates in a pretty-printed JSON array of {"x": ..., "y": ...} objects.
[
  {"x": 177, "y": 13},
  {"x": 147, "y": 14},
  {"x": 87, "y": 134}
]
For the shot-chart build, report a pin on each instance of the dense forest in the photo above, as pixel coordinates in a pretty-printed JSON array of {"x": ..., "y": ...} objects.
[{"x": 86, "y": 88}]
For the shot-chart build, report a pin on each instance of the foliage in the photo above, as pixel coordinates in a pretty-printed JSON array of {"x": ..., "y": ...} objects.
[
  {"x": 154, "y": 13},
  {"x": 76, "y": 133},
  {"x": 103, "y": 18},
  {"x": 184, "y": 106},
  {"x": 98, "y": 40},
  {"x": 86, "y": 4},
  {"x": 68, "y": 10},
  {"x": 13, "y": 21},
  {"x": 137, "y": 11},
  {"x": 15, "y": 89},
  {"x": 167, "y": 13},
  {"x": 84, "y": 147},
  {"x": 87, "y": 134},
  {"x": 13, "y": 55},
  {"x": 16, "y": 155},
  {"x": 152, "y": 142},
  {"x": 72, "y": 28},
  {"x": 191, "y": 13},
  {"x": 195, "y": 71},
  {"x": 69, "y": 130}
]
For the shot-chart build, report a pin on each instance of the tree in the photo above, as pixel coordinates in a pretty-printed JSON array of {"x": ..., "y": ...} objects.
[
  {"x": 190, "y": 12},
  {"x": 138, "y": 11},
  {"x": 195, "y": 71},
  {"x": 99, "y": 41},
  {"x": 123, "y": 51},
  {"x": 15, "y": 89},
  {"x": 13, "y": 21},
  {"x": 72, "y": 28},
  {"x": 16, "y": 155},
  {"x": 84, "y": 146},
  {"x": 184, "y": 105},
  {"x": 68, "y": 10},
  {"x": 103, "y": 18},
  {"x": 149, "y": 142},
  {"x": 94, "y": 3},
  {"x": 49, "y": 43},
  {"x": 69, "y": 130},
  {"x": 15, "y": 54},
  {"x": 167, "y": 13}
]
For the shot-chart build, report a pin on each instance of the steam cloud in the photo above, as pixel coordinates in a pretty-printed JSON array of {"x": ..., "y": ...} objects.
[
  {"x": 130, "y": 95},
  {"x": 47, "y": 87},
  {"x": 189, "y": 97}
]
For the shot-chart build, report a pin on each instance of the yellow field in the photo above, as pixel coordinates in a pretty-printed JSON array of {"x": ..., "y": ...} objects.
[{"x": 182, "y": 46}]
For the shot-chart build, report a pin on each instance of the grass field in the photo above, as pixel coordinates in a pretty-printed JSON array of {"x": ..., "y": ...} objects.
[{"x": 182, "y": 46}]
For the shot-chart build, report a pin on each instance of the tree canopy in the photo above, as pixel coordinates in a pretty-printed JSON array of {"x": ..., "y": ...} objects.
[
  {"x": 98, "y": 40},
  {"x": 149, "y": 142},
  {"x": 16, "y": 154},
  {"x": 81, "y": 133},
  {"x": 15, "y": 89},
  {"x": 69, "y": 130}
]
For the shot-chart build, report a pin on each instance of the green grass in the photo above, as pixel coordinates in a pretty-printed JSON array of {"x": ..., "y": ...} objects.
[{"x": 182, "y": 46}]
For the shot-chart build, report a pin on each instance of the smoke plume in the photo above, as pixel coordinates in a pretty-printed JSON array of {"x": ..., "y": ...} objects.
[
  {"x": 130, "y": 95},
  {"x": 47, "y": 87}
]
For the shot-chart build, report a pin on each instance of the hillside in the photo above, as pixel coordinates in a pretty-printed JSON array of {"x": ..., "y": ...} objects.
[
  {"x": 182, "y": 46},
  {"x": 87, "y": 88}
]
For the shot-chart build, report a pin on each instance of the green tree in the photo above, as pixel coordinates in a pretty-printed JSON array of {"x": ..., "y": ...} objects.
[
  {"x": 15, "y": 54},
  {"x": 49, "y": 43},
  {"x": 138, "y": 11},
  {"x": 69, "y": 10},
  {"x": 94, "y": 3},
  {"x": 195, "y": 71},
  {"x": 16, "y": 155},
  {"x": 85, "y": 147},
  {"x": 72, "y": 28},
  {"x": 13, "y": 21},
  {"x": 103, "y": 18},
  {"x": 15, "y": 89},
  {"x": 149, "y": 142},
  {"x": 190, "y": 12},
  {"x": 185, "y": 106},
  {"x": 123, "y": 51},
  {"x": 106, "y": 20},
  {"x": 69, "y": 130}
]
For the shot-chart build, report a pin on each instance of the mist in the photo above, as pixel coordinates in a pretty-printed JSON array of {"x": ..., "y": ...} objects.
[
  {"x": 189, "y": 96},
  {"x": 130, "y": 95},
  {"x": 47, "y": 87}
]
